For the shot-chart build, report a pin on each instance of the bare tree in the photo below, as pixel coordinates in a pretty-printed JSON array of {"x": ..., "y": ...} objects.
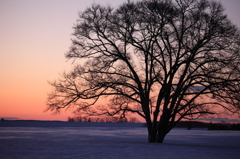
[{"x": 165, "y": 60}]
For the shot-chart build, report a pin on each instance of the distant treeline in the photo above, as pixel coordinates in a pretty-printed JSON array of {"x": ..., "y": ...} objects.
[
  {"x": 222, "y": 126},
  {"x": 210, "y": 126},
  {"x": 103, "y": 119},
  {"x": 183, "y": 124}
]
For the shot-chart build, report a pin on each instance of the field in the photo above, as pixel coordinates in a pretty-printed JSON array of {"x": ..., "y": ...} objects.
[{"x": 38, "y": 139}]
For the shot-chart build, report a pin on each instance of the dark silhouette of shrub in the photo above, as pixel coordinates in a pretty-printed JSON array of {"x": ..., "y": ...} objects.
[
  {"x": 235, "y": 127},
  {"x": 218, "y": 127}
]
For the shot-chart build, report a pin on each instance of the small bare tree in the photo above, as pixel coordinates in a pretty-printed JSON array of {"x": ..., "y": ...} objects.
[{"x": 165, "y": 60}]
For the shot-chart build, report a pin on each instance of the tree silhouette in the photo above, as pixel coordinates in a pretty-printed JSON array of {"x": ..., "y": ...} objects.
[{"x": 165, "y": 60}]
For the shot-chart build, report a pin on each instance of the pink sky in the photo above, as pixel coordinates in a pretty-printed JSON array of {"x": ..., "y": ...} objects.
[{"x": 34, "y": 36}]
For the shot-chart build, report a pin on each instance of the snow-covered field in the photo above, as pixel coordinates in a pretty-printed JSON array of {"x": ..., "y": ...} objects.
[{"x": 31, "y": 139}]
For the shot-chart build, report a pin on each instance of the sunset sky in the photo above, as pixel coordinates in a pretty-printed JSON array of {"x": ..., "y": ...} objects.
[{"x": 34, "y": 36}]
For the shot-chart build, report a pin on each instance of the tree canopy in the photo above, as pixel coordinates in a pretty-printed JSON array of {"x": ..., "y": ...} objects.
[{"x": 165, "y": 60}]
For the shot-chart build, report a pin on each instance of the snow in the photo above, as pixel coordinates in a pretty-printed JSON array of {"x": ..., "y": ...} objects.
[{"x": 41, "y": 139}]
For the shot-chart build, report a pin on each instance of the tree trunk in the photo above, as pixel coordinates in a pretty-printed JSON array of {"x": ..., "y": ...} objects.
[
  {"x": 157, "y": 136},
  {"x": 152, "y": 136},
  {"x": 158, "y": 131},
  {"x": 161, "y": 135}
]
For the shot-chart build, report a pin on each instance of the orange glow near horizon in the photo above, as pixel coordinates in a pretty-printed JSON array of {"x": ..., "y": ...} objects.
[{"x": 35, "y": 35}]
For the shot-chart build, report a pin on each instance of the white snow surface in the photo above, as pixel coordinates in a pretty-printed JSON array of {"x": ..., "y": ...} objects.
[{"x": 57, "y": 140}]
